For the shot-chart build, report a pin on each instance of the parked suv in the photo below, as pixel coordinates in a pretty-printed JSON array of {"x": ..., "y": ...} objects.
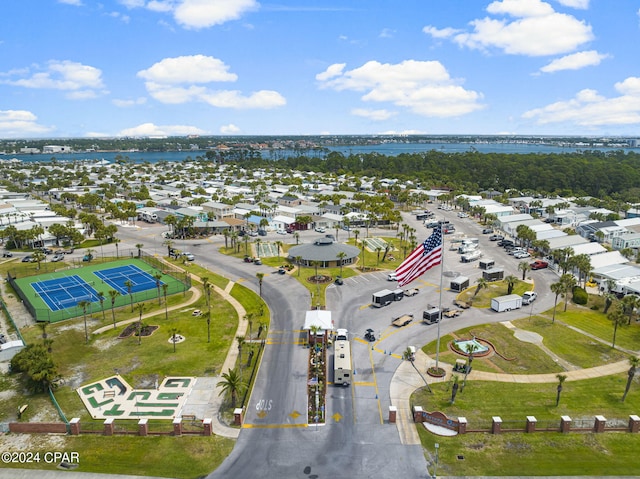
[{"x": 529, "y": 297}]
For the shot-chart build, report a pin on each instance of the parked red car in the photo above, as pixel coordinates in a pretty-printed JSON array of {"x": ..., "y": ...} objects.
[{"x": 539, "y": 264}]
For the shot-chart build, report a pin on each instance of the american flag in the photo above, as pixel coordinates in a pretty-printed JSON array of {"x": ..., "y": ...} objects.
[{"x": 423, "y": 258}]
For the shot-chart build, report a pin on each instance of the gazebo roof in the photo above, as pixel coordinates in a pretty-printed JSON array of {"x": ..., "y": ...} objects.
[{"x": 323, "y": 249}]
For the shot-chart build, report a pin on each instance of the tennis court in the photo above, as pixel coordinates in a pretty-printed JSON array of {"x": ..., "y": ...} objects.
[
  {"x": 55, "y": 296},
  {"x": 118, "y": 277},
  {"x": 62, "y": 293}
]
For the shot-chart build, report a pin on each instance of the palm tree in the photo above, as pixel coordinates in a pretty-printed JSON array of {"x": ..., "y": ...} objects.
[
  {"x": 569, "y": 282},
  {"x": 129, "y": 285},
  {"x": 471, "y": 348},
  {"x": 139, "y": 246},
  {"x": 630, "y": 302},
  {"x": 279, "y": 246},
  {"x": 173, "y": 332},
  {"x": 231, "y": 382},
  {"x": 298, "y": 262},
  {"x": 115, "y": 242},
  {"x": 158, "y": 277},
  {"x": 524, "y": 267},
  {"x": 634, "y": 362},
  {"x": 241, "y": 343},
  {"x": 408, "y": 356},
  {"x": 249, "y": 317},
  {"x": 140, "y": 308},
  {"x": 113, "y": 294},
  {"x": 101, "y": 299},
  {"x": 260, "y": 277},
  {"x": 511, "y": 281},
  {"x": 558, "y": 289},
  {"x": 341, "y": 256},
  {"x": 296, "y": 235},
  {"x": 561, "y": 379},
  {"x": 83, "y": 305},
  {"x": 618, "y": 318},
  {"x": 481, "y": 283},
  {"x": 165, "y": 287},
  {"x": 454, "y": 388}
]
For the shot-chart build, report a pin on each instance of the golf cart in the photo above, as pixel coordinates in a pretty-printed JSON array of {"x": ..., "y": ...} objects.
[{"x": 369, "y": 335}]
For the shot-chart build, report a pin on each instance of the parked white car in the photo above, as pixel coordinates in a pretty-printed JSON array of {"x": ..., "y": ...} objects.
[
  {"x": 521, "y": 255},
  {"x": 529, "y": 297}
]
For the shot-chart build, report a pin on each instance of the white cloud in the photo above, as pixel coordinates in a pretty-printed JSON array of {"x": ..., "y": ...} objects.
[
  {"x": 76, "y": 3},
  {"x": 377, "y": 115},
  {"x": 150, "y": 129},
  {"x": 387, "y": 33},
  {"x": 588, "y": 108},
  {"x": 424, "y": 88},
  {"x": 20, "y": 123},
  {"x": 333, "y": 71},
  {"x": 82, "y": 81},
  {"x": 181, "y": 80},
  {"x": 188, "y": 69},
  {"x": 580, "y": 4},
  {"x": 198, "y": 14},
  {"x": 403, "y": 132},
  {"x": 229, "y": 129},
  {"x": 440, "y": 32},
  {"x": 575, "y": 61},
  {"x": 531, "y": 27},
  {"x": 263, "y": 99},
  {"x": 128, "y": 103}
]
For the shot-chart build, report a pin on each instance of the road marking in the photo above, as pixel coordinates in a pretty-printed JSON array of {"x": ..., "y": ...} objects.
[
  {"x": 262, "y": 414},
  {"x": 365, "y": 384},
  {"x": 272, "y": 426},
  {"x": 295, "y": 414},
  {"x": 365, "y": 306},
  {"x": 337, "y": 417}
]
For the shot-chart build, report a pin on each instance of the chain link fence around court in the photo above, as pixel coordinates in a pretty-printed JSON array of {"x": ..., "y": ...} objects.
[{"x": 176, "y": 281}]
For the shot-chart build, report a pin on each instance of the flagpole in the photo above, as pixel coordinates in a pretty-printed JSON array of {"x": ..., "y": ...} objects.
[{"x": 437, "y": 371}]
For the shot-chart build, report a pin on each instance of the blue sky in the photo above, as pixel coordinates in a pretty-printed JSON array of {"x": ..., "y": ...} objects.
[{"x": 85, "y": 68}]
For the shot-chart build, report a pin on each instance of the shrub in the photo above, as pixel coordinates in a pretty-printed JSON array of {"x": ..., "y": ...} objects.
[{"x": 580, "y": 296}]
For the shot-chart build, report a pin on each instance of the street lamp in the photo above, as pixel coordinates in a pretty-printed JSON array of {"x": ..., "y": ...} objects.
[{"x": 435, "y": 467}]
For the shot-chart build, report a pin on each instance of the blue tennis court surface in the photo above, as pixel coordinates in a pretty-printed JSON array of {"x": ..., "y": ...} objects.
[
  {"x": 63, "y": 293},
  {"x": 117, "y": 277}
]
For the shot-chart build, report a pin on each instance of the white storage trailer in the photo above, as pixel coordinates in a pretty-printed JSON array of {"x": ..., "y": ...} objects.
[
  {"x": 506, "y": 303},
  {"x": 383, "y": 298}
]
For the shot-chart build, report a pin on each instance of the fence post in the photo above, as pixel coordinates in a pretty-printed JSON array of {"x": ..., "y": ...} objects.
[
  {"x": 496, "y": 424},
  {"x": 599, "y": 424},
  {"x": 462, "y": 425},
  {"x": 531, "y": 423},
  {"x": 74, "y": 426},
  {"x": 177, "y": 426},
  {"x": 208, "y": 428},
  {"x": 393, "y": 411},
  {"x": 108, "y": 427},
  {"x": 565, "y": 424},
  {"x": 143, "y": 427},
  {"x": 634, "y": 423}
]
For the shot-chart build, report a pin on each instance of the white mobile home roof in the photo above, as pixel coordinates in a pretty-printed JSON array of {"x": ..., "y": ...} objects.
[
  {"x": 609, "y": 258},
  {"x": 617, "y": 271},
  {"x": 549, "y": 234},
  {"x": 512, "y": 218},
  {"x": 588, "y": 248},
  {"x": 566, "y": 241}
]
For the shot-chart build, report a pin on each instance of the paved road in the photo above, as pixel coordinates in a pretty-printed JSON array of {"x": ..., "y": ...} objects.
[{"x": 358, "y": 441}]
